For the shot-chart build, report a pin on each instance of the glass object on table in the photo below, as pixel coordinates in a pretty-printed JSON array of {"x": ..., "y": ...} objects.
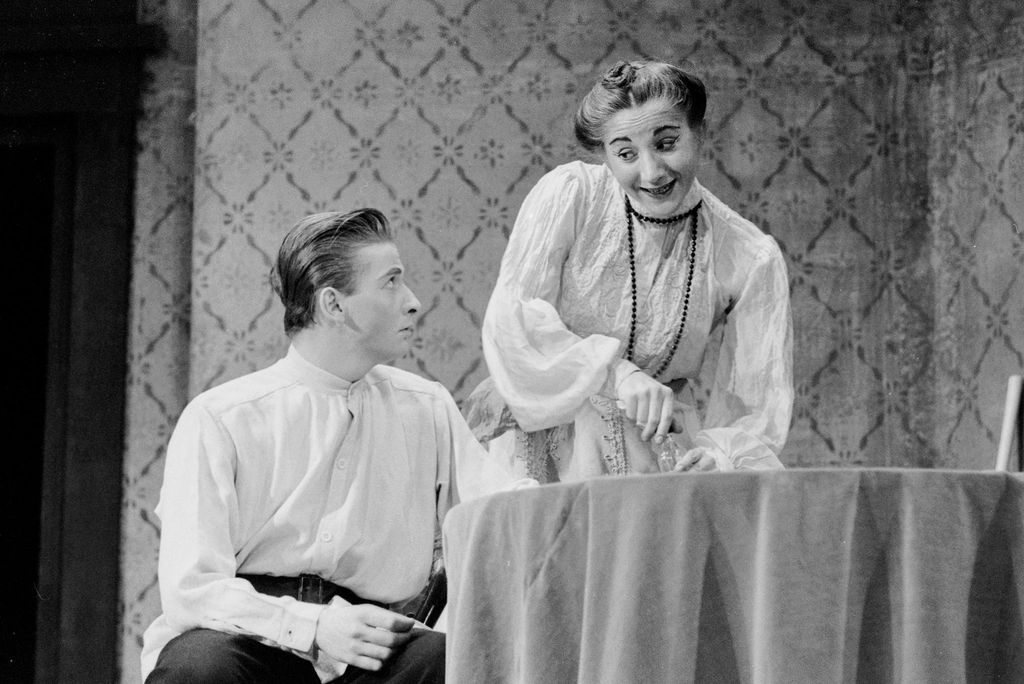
[{"x": 668, "y": 455}]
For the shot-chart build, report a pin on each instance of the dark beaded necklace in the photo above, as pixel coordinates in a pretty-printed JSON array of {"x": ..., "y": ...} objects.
[{"x": 691, "y": 258}]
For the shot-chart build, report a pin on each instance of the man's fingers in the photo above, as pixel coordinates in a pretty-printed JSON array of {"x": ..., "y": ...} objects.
[
  {"x": 375, "y": 616},
  {"x": 368, "y": 650},
  {"x": 362, "y": 635},
  {"x": 366, "y": 663},
  {"x": 385, "y": 637}
]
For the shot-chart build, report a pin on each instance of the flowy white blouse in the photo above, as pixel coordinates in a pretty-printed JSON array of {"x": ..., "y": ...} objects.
[{"x": 558, "y": 323}]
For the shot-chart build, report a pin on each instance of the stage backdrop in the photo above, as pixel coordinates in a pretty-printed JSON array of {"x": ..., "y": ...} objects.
[{"x": 881, "y": 143}]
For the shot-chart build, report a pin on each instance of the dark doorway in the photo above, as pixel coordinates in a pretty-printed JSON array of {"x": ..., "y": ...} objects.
[
  {"x": 26, "y": 202},
  {"x": 36, "y": 181},
  {"x": 69, "y": 84}
]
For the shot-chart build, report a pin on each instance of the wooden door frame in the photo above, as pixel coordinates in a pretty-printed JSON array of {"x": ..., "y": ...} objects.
[{"x": 81, "y": 83}]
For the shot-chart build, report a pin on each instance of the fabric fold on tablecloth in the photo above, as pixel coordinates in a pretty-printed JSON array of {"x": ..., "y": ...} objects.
[{"x": 813, "y": 575}]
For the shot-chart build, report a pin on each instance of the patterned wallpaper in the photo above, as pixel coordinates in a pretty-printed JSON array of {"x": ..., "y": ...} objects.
[
  {"x": 976, "y": 215},
  {"x": 882, "y": 144},
  {"x": 158, "y": 336}
]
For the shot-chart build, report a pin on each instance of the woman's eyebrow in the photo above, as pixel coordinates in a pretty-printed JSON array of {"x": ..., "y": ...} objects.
[{"x": 657, "y": 131}]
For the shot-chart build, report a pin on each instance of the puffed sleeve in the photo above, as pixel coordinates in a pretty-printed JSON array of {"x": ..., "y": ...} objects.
[
  {"x": 751, "y": 401},
  {"x": 199, "y": 517},
  {"x": 542, "y": 370}
]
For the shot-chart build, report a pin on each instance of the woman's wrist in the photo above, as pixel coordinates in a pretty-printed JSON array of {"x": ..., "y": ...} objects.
[
  {"x": 625, "y": 377},
  {"x": 620, "y": 371}
]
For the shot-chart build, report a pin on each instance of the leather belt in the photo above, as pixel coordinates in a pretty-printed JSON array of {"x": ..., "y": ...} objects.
[{"x": 306, "y": 588}]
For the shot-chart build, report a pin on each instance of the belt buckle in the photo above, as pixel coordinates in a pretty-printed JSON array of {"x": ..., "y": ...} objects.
[{"x": 311, "y": 589}]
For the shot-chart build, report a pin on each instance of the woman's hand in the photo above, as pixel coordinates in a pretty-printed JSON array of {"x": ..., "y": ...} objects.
[
  {"x": 696, "y": 460},
  {"x": 648, "y": 403}
]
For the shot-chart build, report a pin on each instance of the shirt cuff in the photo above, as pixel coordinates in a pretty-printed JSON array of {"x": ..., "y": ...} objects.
[{"x": 298, "y": 626}]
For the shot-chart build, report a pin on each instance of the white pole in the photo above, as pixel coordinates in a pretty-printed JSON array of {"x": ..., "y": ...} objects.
[{"x": 1010, "y": 416}]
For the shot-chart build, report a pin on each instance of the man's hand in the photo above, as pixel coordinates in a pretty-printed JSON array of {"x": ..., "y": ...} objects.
[
  {"x": 647, "y": 402},
  {"x": 363, "y": 636}
]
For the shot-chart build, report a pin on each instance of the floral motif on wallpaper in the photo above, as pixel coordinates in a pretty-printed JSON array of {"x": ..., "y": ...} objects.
[{"x": 881, "y": 143}]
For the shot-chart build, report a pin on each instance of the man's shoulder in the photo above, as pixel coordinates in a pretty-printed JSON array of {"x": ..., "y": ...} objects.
[
  {"x": 405, "y": 381},
  {"x": 244, "y": 389}
]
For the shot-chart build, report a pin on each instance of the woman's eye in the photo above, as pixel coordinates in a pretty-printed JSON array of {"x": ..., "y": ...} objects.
[{"x": 626, "y": 154}]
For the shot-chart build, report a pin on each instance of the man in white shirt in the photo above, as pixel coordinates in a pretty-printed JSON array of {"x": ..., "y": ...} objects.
[{"x": 300, "y": 502}]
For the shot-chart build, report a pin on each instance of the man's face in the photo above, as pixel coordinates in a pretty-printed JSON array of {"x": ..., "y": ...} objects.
[{"x": 381, "y": 311}]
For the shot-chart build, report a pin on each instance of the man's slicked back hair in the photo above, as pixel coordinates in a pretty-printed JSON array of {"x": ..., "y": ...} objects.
[{"x": 320, "y": 251}]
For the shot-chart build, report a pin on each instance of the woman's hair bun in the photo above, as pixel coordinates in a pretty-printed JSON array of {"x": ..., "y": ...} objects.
[{"x": 619, "y": 76}]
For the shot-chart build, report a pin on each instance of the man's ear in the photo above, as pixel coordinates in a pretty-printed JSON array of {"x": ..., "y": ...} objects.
[{"x": 329, "y": 303}]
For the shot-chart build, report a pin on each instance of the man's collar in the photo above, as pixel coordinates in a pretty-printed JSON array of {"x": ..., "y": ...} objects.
[{"x": 313, "y": 375}]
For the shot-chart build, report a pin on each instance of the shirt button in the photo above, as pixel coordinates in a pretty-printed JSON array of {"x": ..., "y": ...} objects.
[{"x": 326, "y": 536}]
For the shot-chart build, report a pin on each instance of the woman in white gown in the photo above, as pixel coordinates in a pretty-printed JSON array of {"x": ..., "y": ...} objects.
[{"x": 615, "y": 277}]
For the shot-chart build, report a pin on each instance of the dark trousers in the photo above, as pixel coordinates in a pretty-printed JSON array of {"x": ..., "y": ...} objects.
[{"x": 206, "y": 656}]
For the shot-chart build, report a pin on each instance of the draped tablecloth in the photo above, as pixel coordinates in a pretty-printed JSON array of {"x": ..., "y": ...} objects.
[{"x": 803, "y": 575}]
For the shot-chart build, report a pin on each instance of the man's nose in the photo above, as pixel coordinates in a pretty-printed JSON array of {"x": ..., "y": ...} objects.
[{"x": 412, "y": 303}]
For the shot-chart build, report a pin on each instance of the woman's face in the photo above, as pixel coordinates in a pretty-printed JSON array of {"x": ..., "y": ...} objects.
[{"x": 653, "y": 153}]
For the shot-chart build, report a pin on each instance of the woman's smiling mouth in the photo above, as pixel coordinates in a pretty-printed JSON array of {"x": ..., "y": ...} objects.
[{"x": 661, "y": 190}]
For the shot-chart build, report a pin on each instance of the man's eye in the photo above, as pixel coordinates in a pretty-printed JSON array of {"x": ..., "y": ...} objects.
[{"x": 667, "y": 143}]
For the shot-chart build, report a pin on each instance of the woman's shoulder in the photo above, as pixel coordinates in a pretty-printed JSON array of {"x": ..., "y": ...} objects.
[
  {"x": 734, "y": 233},
  {"x": 575, "y": 177},
  {"x": 580, "y": 169}
]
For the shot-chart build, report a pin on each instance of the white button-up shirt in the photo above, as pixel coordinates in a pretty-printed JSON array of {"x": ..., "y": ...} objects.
[{"x": 293, "y": 470}]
